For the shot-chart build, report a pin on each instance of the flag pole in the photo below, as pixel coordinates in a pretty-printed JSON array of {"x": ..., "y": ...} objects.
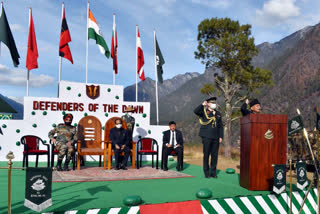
[
  {"x": 136, "y": 65},
  {"x": 155, "y": 71},
  {"x": 28, "y": 83},
  {"x": 87, "y": 44},
  {"x": 28, "y": 73},
  {"x": 1, "y": 14},
  {"x": 60, "y": 58},
  {"x": 114, "y": 46},
  {"x": 60, "y": 67}
]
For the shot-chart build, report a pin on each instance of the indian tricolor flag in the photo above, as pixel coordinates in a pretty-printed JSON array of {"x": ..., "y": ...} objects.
[{"x": 95, "y": 33}]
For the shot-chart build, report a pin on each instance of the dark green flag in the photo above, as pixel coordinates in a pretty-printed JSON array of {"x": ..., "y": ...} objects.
[
  {"x": 279, "y": 180},
  {"x": 295, "y": 125},
  {"x": 160, "y": 61},
  {"x": 301, "y": 175},
  {"x": 7, "y": 38}
]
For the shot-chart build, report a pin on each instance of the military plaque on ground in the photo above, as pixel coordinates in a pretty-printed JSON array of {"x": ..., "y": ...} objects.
[
  {"x": 279, "y": 180},
  {"x": 301, "y": 175},
  {"x": 38, "y": 188}
]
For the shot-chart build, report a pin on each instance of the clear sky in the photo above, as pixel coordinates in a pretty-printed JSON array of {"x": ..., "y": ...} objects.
[{"x": 175, "y": 22}]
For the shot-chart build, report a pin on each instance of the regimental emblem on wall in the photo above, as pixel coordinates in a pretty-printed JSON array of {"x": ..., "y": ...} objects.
[
  {"x": 93, "y": 91},
  {"x": 268, "y": 135}
]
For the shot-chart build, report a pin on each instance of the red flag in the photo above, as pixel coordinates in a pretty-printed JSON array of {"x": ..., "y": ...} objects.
[
  {"x": 114, "y": 46},
  {"x": 140, "y": 58},
  {"x": 65, "y": 38},
  {"x": 32, "y": 53}
]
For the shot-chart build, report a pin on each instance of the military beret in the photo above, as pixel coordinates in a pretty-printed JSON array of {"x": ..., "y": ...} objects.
[
  {"x": 254, "y": 102},
  {"x": 212, "y": 100}
]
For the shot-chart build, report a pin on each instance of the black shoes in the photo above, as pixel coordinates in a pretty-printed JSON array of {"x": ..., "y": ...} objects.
[
  {"x": 207, "y": 176},
  {"x": 121, "y": 167},
  {"x": 178, "y": 169},
  {"x": 214, "y": 176},
  {"x": 165, "y": 169}
]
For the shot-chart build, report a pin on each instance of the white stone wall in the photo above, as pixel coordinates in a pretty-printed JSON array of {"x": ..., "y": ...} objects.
[{"x": 73, "y": 92}]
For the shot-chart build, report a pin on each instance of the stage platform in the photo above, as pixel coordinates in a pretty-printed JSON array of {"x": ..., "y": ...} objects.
[{"x": 107, "y": 196}]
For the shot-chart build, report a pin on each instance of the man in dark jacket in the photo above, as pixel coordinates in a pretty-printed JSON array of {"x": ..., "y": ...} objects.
[
  {"x": 172, "y": 141},
  {"x": 255, "y": 107},
  {"x": 211, "y": 132},
  {"x": 120, "y": 143}
]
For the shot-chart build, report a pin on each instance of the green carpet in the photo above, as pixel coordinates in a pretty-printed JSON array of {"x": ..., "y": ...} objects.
[{"x": 106, "y": 194}]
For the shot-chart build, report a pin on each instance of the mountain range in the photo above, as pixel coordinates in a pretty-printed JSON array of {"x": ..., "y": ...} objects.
[{"x": 294, "y": 62}]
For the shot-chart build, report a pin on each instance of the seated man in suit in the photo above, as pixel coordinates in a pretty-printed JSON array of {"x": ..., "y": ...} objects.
[
  {"x": 172, "y": 141},
  {"x": 255, "y": 107},
  {"x": 120, "y": 143}
]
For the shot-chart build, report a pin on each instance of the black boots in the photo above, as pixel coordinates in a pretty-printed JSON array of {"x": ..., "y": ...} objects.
[
  {"x": 66, "y": 164},
  {"x": 59, "y": 168},
  {"x": 65, "y": 167}
]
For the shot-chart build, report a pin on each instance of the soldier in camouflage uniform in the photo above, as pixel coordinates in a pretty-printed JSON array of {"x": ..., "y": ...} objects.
[
  {"x": 130, "y": 121},
  {"x": 64, "y": 141}
]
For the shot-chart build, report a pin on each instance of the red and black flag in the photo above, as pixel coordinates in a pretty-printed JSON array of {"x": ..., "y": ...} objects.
[{"x": 65, "y": 38}]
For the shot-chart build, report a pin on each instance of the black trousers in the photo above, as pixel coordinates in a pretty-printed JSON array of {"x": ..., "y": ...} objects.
[
  {"x": 166, "y": 153},
  {"x": 117, "y": 152},
  {"x": 210, "y": 147}
]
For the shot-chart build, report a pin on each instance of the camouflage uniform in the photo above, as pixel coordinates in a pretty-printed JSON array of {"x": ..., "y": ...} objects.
[{"x": 65, "y": 134}]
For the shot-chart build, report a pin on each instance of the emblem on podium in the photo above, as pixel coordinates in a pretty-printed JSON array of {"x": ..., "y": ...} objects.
[
  {"x": 93, "y": 91},
  {"x": 268, "y": 135}
]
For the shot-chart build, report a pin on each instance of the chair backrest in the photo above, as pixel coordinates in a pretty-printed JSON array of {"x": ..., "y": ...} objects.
[
  {"x": 146, "y": 144},
  {"x": 111, "y": 124},
  {"x": 31, "y": 141},
  {"x": 89, "y": 132}
]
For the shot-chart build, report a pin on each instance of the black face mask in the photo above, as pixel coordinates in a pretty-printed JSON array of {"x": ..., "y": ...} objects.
[{"x": 68, "y": 123}]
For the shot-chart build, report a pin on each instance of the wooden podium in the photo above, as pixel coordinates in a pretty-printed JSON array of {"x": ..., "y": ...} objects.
[{"x": 263, "y": 143}]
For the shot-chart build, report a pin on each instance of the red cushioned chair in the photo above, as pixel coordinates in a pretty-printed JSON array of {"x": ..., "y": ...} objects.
[
  {"x": 56, "y": 152},
  {"x": 31, "y": 147},
  {"x": 146, "y": 146}
]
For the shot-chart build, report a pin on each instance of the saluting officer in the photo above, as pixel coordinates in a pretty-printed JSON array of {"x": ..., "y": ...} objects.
[
  {"x": 255, "y": 107},
  {"x": 211, "y": 132},
  {"x": 64, "y": 141}
]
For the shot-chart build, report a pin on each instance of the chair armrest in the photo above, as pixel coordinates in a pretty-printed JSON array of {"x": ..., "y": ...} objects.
[
  {"x": 45, "y": 144},
  {"x": 154, "y": 142},
  {"x": 48, "y": 146},
  {"x": 133, "y": 142},
  {"x": 105, "y": 141},
  {"x": 25, "y": 147}
]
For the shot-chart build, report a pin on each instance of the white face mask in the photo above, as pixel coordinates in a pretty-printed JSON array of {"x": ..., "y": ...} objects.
[
  {"x": 129, "y": 113},
  {"x": 213, "y": 105},
  {"x": 118, "y": 126}
]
